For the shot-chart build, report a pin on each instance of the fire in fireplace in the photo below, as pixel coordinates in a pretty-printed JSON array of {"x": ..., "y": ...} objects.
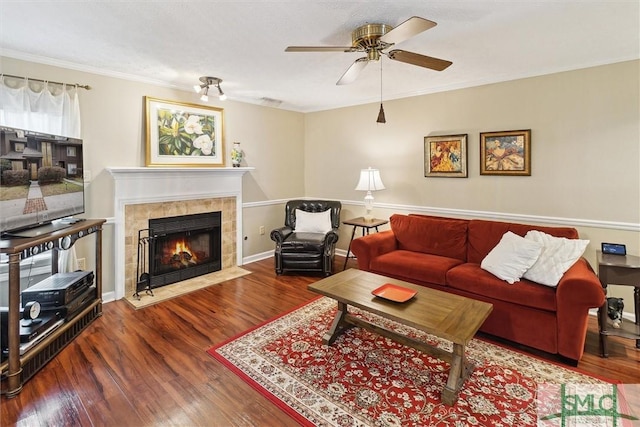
[
  {"x": 176, "y": 252},
  {"x": 177, "y": 248}
]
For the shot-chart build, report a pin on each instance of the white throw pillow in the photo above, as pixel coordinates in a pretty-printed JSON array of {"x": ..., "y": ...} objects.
[
  {"x": 313, "y": 222},
  {"x": 558, "y": 255},
  {"x": 511, "y": 257}
]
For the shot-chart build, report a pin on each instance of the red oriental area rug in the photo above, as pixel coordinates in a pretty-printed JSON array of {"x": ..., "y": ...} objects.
[{"x": 364, "y": 379}]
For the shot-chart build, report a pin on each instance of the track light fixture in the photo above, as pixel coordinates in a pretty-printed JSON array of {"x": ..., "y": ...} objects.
[
  {"x": 221, "y": 95},
  {"x": 205, "y": 94},
  {"x": 204, "y": 88}
]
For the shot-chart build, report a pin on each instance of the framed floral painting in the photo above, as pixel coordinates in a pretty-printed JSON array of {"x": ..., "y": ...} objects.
[
  {"x": 445, "y": 156},
  {"x": 183, "y": 135},
  {"x": 505, "y": 153}
]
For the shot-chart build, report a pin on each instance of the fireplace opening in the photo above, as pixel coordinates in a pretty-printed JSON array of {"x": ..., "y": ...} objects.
[{"x": 179, "y": 248}]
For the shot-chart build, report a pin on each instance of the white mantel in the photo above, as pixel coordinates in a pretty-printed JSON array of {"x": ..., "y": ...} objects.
[{"x": 137, "y": 185}]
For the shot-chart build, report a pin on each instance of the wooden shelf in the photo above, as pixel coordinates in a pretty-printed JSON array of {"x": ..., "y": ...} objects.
[
  {"x": 627, "y": 329},
  {"x": 624, "y": 271}
]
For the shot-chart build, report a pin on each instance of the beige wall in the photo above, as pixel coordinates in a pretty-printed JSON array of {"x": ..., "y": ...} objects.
[
  {"x": 585, "y": 146},
  {"x": 585, "y": 151}
]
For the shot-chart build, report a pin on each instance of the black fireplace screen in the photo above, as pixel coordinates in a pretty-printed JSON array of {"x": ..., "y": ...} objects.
[{"x": 177, "y": 248}]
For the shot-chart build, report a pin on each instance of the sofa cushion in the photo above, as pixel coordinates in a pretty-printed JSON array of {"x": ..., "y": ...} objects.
[
  {"x": 484, "y": 235},
  {"x": 414, "y": 266},
  {"x": 558, "y": 254},
  {"x": 511, "y": 257},
  {"x": 470, "y": 277},
  {"x": 430, "y": 235}
]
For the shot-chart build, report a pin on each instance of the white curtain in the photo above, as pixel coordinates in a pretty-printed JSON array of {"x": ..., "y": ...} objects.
[
  {"x": 44, "y": 107},
  {"x": 67, "y": 260},
  {"x": 40, "y": 106}
]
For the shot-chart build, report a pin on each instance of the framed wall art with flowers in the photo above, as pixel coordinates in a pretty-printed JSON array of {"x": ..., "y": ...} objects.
[{"x": 183, "y": 135}]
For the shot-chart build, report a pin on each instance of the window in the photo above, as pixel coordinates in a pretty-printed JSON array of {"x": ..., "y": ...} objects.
[
  {"x": 18, "y": 146},
  {"x": 71, "y": 151}
]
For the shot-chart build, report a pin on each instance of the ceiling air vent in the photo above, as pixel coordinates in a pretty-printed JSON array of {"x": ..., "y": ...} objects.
[{"x": 270, "y": 102}]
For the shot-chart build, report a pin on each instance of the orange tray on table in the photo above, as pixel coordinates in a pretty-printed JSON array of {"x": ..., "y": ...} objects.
[{"x": 394, "y": 292}]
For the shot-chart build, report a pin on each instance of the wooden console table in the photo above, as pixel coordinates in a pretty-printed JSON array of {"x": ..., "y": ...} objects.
[
  {"x": 619, "y": 270},
  {"x": 19, "y": 368}
]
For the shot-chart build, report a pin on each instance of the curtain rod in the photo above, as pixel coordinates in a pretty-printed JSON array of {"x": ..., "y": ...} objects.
[{"x": 87, "y": 87}]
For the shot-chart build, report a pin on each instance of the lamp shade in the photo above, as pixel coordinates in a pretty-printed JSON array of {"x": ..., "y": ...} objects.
[{"x": 370, "y": 180}]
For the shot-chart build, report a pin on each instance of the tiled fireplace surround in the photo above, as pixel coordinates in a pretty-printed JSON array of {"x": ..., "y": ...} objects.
[{"x": 144, "y": 193}]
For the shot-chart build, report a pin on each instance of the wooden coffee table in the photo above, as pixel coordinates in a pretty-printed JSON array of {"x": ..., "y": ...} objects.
[{"x": 444, "y": 315}]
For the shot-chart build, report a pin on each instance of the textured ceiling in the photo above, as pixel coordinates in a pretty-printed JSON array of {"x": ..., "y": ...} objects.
[{"x": 173, "y": 43}]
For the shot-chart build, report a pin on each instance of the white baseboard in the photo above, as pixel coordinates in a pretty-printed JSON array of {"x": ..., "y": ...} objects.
[
  {"x": 625, "y": 315},
  {"x": 108, "y": 297},
  {"x": 257, "y": 257}
]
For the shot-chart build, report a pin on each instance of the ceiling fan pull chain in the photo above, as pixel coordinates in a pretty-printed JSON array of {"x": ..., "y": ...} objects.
[{"x": 381, "y": 118}]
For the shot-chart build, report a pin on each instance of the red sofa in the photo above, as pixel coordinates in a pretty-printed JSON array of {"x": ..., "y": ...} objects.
[{"x": 446, "y": 253}]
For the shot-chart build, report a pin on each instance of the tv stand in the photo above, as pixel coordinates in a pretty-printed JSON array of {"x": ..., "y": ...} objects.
[{"x": 19, "y": 368}]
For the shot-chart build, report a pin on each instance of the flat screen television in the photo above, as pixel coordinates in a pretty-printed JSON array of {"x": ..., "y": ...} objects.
[{"x": 41, "y": 181}]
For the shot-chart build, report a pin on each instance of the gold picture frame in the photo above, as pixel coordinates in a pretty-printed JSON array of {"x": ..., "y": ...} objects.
[
  {"x": 505, "y": 153},
  {"x": 181, "y": 134},
  {"x": 445, "y": 156}
]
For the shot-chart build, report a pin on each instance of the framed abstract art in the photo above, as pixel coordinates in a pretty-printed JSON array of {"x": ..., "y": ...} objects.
[
  {"x": 445, "y": 156},
  {"x": 505, "y": 153}
]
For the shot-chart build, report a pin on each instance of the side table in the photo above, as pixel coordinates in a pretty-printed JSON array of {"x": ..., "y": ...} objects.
[
  {"x": 366, "y": 225},
  {"x": 619, "y": 270}
]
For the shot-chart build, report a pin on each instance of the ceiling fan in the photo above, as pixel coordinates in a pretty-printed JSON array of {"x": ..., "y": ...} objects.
[{"x": 374, "y": 39}]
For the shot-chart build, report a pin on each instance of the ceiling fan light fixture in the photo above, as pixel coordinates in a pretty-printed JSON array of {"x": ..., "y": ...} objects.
[
  {"x": 374, "y": 40},
  {"x": 373, "y": 55}
]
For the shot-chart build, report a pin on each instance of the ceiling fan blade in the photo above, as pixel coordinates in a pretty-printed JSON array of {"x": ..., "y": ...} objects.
[
  {"x": 353, "y": 72},
  {"x": 409, "y": 28},
  {"x": 319, "y": 49},
  {"x": 419, "y": 60}
]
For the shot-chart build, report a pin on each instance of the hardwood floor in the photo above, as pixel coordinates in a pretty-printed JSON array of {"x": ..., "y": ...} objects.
[{"x": 150, "y": 366}]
